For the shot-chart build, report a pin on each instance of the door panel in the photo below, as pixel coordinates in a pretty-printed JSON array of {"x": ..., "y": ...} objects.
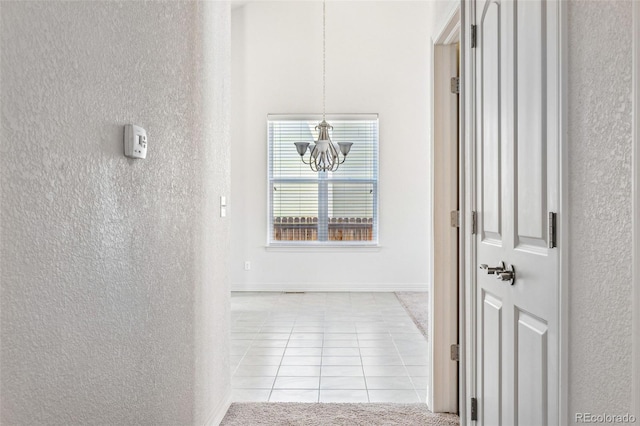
[
  {"x": 516, "y": 187},
  {"x": 490, "y": 125},
  {"x": 531, "y": 338},
  {"x": 492, "y": 351},
  {"x": 530, "y": 71}
]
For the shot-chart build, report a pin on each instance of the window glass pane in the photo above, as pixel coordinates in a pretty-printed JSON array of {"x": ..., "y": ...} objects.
[
  {"x": 285, "y": 160},
  {"x": 351, "y": 211},
  {"x": 294, "y": 199},
  {"x": 362, "y": 161},
  {"x": 295, "y": 212}
]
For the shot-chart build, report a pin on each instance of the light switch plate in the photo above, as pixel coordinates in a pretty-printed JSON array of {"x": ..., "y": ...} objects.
[
  {"x": 223, "y": 206},
  {"x": 135, "y": 141}
]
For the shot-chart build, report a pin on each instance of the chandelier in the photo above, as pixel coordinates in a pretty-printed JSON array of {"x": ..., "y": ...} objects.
[{"x": 324, "y": 156}]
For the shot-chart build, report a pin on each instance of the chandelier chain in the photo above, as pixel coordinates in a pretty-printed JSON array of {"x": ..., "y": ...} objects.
[
  {"x": 324, "y": 72},
  {"x": 324, "y": 155}
]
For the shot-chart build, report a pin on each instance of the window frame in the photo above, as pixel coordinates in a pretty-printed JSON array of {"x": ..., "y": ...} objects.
[{"x": 318, "y": 244}]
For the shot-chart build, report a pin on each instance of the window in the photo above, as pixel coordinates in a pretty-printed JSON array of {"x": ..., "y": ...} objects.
[{"x": 323, "y": 208}]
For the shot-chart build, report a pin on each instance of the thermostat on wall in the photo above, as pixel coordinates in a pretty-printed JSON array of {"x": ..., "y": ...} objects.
[{"x": 135, "y": 141}]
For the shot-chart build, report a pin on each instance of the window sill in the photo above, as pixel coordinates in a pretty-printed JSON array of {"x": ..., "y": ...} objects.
[{"x": 324, "y": 248}]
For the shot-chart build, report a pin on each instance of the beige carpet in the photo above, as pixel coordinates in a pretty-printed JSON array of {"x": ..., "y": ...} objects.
[
  {"x": 301, "y": 414},
  {"x": 416, "y": 304}
]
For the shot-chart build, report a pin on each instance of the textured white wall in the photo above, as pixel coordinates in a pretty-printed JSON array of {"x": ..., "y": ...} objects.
[
  {"x": 114, "y": 282},
  {"x": 636, "y": 220},
  {"x": 377, "y": 62},
  {"x": 600, "y": 206},
  {"x": 212, "y": 97}
]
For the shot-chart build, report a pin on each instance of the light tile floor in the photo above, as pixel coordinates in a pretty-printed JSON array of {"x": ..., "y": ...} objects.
[{"x": 325, "y": 347}]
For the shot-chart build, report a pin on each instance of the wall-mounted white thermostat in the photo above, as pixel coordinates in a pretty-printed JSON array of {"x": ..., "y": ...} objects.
[{"x": 135, "y": 141}]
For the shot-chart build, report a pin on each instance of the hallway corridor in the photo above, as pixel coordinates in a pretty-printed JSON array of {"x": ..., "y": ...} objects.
[{"x": 325, "y": 347}]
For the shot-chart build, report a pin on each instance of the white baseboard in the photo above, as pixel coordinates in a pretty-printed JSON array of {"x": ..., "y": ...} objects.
[
  {"x": 331, "y": 287},
  {"x": 218, "y": 413}
]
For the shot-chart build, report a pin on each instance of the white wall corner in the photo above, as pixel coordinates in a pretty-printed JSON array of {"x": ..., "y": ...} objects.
[
  {"x": 448, "y": 29},
  {"x": 218, "y": 413},
  {"x": 636, "y": 208},
  {"x": 563, "y": 221}
]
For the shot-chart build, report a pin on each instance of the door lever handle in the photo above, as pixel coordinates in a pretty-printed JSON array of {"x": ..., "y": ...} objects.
[
  {"x": 493, "y": 270},
  {"x": 508, "y": 274}
]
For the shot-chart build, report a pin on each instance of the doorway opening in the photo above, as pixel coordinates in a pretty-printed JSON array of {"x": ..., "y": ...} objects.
[
  {"x": 447, "y": 220},
  {"x": 244, "y": 350}
]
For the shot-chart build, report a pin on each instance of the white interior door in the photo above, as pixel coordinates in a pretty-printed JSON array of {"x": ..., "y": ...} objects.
[{"x": 517, "y": 186}]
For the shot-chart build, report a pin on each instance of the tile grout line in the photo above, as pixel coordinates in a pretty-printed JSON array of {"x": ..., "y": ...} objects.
[
  {"x": 273, "y": 385},
  {"x": 246, "y": 351},
  {"x": 413, "y": 383},
  {"x": 364, "y": 375},
  {"x": 324, "y": 331},
  {"x": 404, "y": 365}
]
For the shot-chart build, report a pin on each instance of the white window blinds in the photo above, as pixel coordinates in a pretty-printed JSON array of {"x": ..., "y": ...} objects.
[{"x": 333, "y": 208}]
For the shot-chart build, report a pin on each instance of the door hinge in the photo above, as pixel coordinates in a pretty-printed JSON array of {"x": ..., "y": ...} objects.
[
  {"x": 474, "y": 223},
  {"x": 455, "y": 352},
  {"x": 473, "y": 36},
  {"x": 455, "y": 219},
  {"x": 474, "y": 409},
  {"x": 552, "y": 230},
  {"x": 455, "y": 85}
]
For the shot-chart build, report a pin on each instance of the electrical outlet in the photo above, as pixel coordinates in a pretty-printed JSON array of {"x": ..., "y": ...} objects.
[{"x": 247, "y": 265}]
